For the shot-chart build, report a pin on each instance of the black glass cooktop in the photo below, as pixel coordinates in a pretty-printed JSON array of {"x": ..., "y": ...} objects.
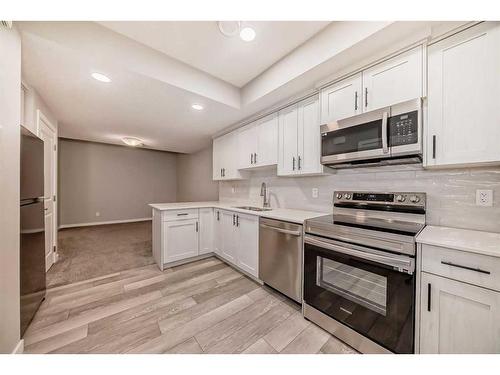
[{"x": 370, "y": 223}]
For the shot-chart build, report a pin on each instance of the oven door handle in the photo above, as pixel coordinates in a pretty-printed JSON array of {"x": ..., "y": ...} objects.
[{"x": 402, "y": 264}]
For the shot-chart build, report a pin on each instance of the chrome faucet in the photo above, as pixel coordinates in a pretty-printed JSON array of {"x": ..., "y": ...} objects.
[{"x": 264, "y": 194}]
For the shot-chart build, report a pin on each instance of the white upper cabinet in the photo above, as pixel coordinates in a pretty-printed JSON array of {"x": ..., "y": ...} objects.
[
  {"x": 259, "y": 143},
  {"x": 299, "y": 142},
  {"x": 342, "y": 99},
  {"x": 395, "y": 80},
  {"x": 463, "y": 126},
  {"x": 225, "y": 157}
]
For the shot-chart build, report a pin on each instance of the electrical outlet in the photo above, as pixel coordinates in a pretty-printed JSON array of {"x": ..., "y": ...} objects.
[
  {"x": 97, "y": 213},
  {"x": 484, "y": 198},
  {"x": 315, "y": 192}
]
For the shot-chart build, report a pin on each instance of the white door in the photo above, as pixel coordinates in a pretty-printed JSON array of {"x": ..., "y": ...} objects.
[
  {"x": 463, "y": 97},
  {"x": 393, "y": 81},
  {"x": 218, "y": 232},
  {"x": 47, "y": 132},
  {"x": 181, "y": 239},
  {"x": 248, "y": 240},
  {"x": 288, "y": 128},
  {"x": 229, "y": 233},
  {"x": 342, "y": 99},
  {"x": 206, "y": 230},
  {"x": 309, "y": 138},
  {"x": 247, "y": 146},
  {"x": 267, "y": 142},
  {"x": 459, "y": 318}
]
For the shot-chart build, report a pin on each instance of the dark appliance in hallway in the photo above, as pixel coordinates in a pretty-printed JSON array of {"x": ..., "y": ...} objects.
[{"x": 32, "y": 228}]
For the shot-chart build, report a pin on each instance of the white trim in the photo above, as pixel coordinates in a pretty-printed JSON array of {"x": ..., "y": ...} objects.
[
  {"x": 19, "y": 349},
  {"x": 103, "y": 223}
]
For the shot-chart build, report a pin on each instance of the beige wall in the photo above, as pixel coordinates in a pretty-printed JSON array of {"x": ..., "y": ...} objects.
[
  {"x": 194, "y": 177},
  {"x": 116, "y": 181},
  {"x": 10, "y": 117}
]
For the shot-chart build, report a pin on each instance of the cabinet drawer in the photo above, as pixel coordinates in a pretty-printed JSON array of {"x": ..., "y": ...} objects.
[
  {"x": 471, "y": 268},
  {"x": 171, "y": 215}
]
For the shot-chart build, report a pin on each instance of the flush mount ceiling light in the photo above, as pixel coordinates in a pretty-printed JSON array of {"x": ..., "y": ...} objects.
[
  {"x": 101, "y": 77},
  {"x": 233, "y": 28},
  {"x": 198, "y": 107},
  {"x": 134, "y": 142},
  {"x": 247, "y": 34}
]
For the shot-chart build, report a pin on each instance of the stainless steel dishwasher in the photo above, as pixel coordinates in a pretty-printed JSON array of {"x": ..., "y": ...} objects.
[{"x": 280, "y": 256}]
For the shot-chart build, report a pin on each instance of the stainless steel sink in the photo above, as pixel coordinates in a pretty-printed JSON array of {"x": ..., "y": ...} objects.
[{"x": 251, "y": 208}]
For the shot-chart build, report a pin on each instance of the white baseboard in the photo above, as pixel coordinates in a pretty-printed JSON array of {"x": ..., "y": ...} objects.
[
  {"x": 19, "y": 349},
  {"x": 103, "y": 223}
]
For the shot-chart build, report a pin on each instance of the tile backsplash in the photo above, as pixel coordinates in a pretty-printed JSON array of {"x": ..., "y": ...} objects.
[{"x": 451, "y": 193}]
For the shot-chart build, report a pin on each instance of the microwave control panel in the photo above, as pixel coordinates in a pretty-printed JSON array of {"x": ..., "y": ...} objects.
[{"x": 403, "y": 129}]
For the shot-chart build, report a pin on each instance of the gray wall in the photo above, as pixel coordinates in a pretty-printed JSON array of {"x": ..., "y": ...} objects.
[
  {"x": 10, "y": 117},
  {"x": 116, "y": 181},
  {"x": 194, "y": 177},
  {"x": 450, "y": 193}
]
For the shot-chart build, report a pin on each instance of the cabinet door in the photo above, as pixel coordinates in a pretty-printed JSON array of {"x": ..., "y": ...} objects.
[
  {"x": 231, "y": 157},
  {"x": 248, "y": 241},
  {"x": 229, "y": 233},
  {"x": 218, "y": 232},
  {"x": 342, "y": 99},
  {"x": 248, "y": 139},
  {"x": 180, "y": 239},
  {"x": 267, "y": 141},
  {"x": 206, "y": 230},
  {"x": 309, "y": 138},
  {"x": 287, "y": 148},
  {"x": 463, "y": 98},
  {"x": 393, "y": 81},
  {"x": 458, "y": 318},
  {"x": 218, "y": 149}
]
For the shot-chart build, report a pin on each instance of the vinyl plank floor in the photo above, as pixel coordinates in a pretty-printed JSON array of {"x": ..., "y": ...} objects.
[{"x": 201, "y": 307}]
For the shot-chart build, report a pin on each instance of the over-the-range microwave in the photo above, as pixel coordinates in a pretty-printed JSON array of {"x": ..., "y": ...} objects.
[{"x": 390, "y": 135}]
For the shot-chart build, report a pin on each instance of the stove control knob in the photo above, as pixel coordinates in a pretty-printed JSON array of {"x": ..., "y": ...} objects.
[
  {"x": 400, "y": 198},
  {"x": 414, "y": 199},
  {"x": 339, "y": 196},
  {"x": 348, "y": 196}
]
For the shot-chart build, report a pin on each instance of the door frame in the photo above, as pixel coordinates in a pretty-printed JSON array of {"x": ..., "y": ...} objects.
[{"x": 39, "y": 118}]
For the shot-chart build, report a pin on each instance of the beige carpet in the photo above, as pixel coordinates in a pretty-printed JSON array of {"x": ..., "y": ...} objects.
[{"x": 89, "y": 252}]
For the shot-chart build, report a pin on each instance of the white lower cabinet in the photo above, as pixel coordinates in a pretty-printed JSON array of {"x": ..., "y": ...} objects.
[
  {"x": 229, "y": 234},
  {"x": 457, "y": 317},
  {"x": 206, "y": 230},
  {"x": 218, "y": 232},
  {"x": 180, "y": 239},
  {"x": 247, "y": 227}
]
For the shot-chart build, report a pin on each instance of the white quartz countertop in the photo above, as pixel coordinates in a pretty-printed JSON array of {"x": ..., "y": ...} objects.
[
  {"x": 285, "y": 214},
  {"x": 473, "y": 241}
]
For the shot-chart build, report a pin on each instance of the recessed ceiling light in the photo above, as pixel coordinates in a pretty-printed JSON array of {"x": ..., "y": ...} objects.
[
  {"x": 101, "y": 77},
  {"x": 130, "y": 141},
  {"x": 247, "y": 34},
  {"x": 198, "y": 107},
  {"x": 229, "y": 28}
]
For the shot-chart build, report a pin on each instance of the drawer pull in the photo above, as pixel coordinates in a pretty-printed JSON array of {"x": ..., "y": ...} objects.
[
  {"x": 183, "y": 214},
  {"x": 465, "y": 267},
  {"x": 429, "y": 296}
]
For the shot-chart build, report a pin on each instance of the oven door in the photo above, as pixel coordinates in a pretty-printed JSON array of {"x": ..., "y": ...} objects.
[
  {"x": 370, "y": 291},
  {"x": 357, "y": 138}
]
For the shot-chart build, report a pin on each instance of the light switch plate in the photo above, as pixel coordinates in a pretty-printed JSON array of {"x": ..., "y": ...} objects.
[
  {"x": 484, "y": 198},
  {"x": 315, "y": 192}
]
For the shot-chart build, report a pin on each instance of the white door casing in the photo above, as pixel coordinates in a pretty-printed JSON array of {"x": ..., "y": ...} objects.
[{"x": 48, "y": 133}]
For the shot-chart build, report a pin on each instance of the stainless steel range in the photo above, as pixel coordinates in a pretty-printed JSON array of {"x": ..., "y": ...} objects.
[{"x": 359, "y": 269}]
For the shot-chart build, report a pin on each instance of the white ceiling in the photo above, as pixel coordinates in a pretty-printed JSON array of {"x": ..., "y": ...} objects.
[
  {"x": 201, "y": 44},
  {"x": 152, "y": 90}
]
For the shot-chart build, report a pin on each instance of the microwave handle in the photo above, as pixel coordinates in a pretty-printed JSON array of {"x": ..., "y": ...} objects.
[{"x": 385, "y": 135}]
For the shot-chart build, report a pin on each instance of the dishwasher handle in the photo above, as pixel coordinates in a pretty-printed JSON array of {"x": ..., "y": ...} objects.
[{"x": 285, "y": 231}]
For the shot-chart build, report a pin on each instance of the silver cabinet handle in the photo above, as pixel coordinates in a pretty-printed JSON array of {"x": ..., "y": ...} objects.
[
  {"x": 197, "y": 226},
  {"x": 251, "y": 158},
  {"x": 293, "y": 163},
  {"x": 429, "y": 296},
  {"x": 366, "y": 97},
  {"x": 183, "y": 214},
  {"x": 298, "y": 163},
  {"x": 234, "y": 219},
  {"x": 237, "y": 220},
  {"x": 285, "y": 231},
  {"x": 434, "y": 147},
  {"x": 255, "y": 158},
  {"x": 385, "y": 135},
  {"x": 218, "y": 217},
  {"x": 465, "y": 267},
  {"x": 356, "y": 100}
]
